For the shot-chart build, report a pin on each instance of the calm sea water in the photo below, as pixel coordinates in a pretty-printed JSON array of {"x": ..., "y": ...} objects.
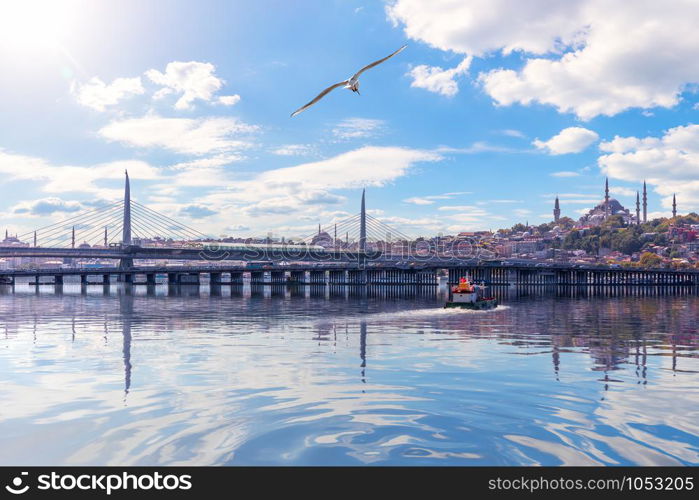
[{"x": 306, "y": 377}]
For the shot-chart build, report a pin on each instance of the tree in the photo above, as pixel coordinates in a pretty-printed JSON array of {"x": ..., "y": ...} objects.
[{"x": 649, "y": 259}]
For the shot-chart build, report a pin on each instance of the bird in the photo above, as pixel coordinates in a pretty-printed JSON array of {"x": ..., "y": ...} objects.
[{"x": 351, "y": 83}]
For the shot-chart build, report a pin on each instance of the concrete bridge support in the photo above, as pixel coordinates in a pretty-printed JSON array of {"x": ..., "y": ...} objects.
[
  {"x": 277, "y": 277},
  {"x": 257, "y": 277},
  {"x": 297, "y": 277},
  {"x": 357, "y": 277},
  {"x": 236, "y": 278},
  {"x": 316, "y": 277},
  {"x": 215, "y": 278},
  {"x": 189, "y": 279},
  {"x": 337, "y": 277},
  {"x": 150, "y": 279}
]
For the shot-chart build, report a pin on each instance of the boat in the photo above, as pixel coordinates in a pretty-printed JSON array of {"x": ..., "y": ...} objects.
[{"x": 467, "y": 295}]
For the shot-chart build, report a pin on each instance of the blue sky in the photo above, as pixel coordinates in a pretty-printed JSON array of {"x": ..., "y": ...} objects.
[{"x": 493, "y": 109}]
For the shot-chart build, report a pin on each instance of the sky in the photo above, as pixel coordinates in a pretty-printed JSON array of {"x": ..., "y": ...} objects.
[{"x": 493, "y": 109}]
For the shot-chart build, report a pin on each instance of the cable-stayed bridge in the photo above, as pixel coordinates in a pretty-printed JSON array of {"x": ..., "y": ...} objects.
[{"x": 358, "y": 250}]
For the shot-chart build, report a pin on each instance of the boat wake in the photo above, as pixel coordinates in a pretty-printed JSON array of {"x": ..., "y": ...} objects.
[{"x": 434, "y": 311}]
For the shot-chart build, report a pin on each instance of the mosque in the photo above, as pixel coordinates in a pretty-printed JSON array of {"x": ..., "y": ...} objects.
[{"x": 611, "y": 206}]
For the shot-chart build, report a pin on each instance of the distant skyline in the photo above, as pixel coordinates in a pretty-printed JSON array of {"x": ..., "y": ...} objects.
[{"x": 493, "y": 110}]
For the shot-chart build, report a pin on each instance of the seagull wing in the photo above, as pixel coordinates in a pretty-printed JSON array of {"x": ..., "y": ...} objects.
[
  {"x": 318, "y": 98},
  {"x": 375, "y": 63}
]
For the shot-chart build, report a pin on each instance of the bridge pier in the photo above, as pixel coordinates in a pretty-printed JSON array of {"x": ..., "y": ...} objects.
[
  {"x": 236, "y": 278},
  {"x": 277, "y": 277},
  {"x": 337, "y": 277},
  {"x": 357, "y": 277},
  {"x": 150, "y": 279},
  {"x": 316, "y": 277},
  {"x": 297, "y": 277},
  {"x": 257, "y": 277},
  {"x": 215, "y": 278},
  {"x": 188, "y": 279},
  {"x": 83, "y": 280}
]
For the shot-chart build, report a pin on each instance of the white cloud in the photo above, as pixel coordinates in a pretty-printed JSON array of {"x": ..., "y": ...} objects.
[
  {"x": 229, "y": 100},
  {"x": 357, "y": 128},
  {"x": 182, "y": 135},
  {"x": 568, "y": 140},
  {"x": 98, "y": 95},
  {"x": 282, "y": 198},
  {"x": 367, "y": 166},
  {"x": 70, "y": 178},
  {"x": 45, "y": 206},
  {"x": 439, "y": 80},
  {"x": 669, "y": 163},
  {"x": 513, "y": 133},
  {"x": 590, "y": 57},
  {"x": 565, "y": 173},
  {"x": 429, "y": 200},
  {"x": 416, "y": 200},
  {"x": 192, "y": 80},
  {"x": 294, "y": 150},
  {"x": 460, "y": 208}
]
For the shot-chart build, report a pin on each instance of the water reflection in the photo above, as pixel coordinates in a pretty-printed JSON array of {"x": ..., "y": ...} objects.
[{"x": 322, "y": 375}]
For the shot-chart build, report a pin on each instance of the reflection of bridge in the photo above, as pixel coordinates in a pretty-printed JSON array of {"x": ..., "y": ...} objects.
[{"x": 127, "y": 231}]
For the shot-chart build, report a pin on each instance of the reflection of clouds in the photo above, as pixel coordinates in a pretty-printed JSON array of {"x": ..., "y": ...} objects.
[
  {"x": 263, "y": 379},
  {"x": 566, "y": 454}
]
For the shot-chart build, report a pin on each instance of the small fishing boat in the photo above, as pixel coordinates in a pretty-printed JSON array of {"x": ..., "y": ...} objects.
[{"x": 467, "y": 295}]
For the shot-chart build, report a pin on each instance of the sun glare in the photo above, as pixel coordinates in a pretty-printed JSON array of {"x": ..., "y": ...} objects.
[{"x": 35, "y": 23}]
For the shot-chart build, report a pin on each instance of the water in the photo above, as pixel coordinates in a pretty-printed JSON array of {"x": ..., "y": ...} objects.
[{"x": 312, "y": 377}]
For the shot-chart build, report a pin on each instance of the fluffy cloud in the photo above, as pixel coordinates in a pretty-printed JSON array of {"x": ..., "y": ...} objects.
[
  {"x": 196, "y": 211},
  {"x": 568, "y": 140},
  {"x": 357, "y": 128},
  {"x": 229, "y": 100},
  {"x": 192, "y": 80},
  {"x": 367, "y": 166},
  {"x": 429, "y": 200},
  {"x": 591, "y": 57},
  {"x": 565, "y": 173},
  {"x": 70, "y": 178},
  {"x": 669, "y": 163},
  {"x": 181, "y": 135},
  {"x": 439, "y": 80},
  {"x": 98, "y": 95},
  {"x": 294, "y": 150},
  {"x": 46, "y": 206}
]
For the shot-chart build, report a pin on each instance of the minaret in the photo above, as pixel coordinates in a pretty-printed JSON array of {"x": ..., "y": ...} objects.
[
  {"x": 318, "y": 229},
  {"x": 645, "y": 203},
  {"x": 638, "y": 209},
  {"x": 126, "y": 235},
  {"x": 556, "y": 210},
  {"x": 34, "y": 238},
  {"x": 72, "y": 242},
  {"x": 606, "y": 197},
  {"x": 674, "y": 206},
  {"x": 105, "y": 237}
]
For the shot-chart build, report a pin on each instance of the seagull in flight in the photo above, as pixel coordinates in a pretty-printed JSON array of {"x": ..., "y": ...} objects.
[{"x": 352, "y": 83}]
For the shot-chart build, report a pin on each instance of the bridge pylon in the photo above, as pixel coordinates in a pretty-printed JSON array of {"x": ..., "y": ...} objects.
[{"x": 126, "y": 262}]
